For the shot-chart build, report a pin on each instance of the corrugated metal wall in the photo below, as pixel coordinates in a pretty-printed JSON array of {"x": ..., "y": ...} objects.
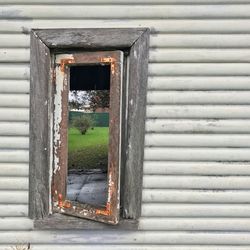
[{"x": 196, "y": 191}]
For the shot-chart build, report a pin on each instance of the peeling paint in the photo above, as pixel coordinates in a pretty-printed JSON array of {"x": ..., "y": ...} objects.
[{"x": 110, "y": 60}]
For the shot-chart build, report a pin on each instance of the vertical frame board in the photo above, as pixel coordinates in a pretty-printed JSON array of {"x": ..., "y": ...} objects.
[
  {"x": 40, "y": 127},
  {"x": 46, "y": 42},
  {"x": 62, "y": 72}
]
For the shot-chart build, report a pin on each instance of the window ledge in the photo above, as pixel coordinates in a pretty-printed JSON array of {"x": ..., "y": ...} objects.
[{"x": 64, "y": 222}]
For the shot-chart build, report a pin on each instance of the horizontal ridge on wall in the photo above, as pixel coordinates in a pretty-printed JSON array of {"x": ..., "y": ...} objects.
[
  {"x": 14, "y": 128},
  {"x": 198, "y": 111},
  {"x": 14, "y": 183},
  {"x": 14, "y": 169},
  {"x": 195, "y": 126},
  {"x": 14, "y": 155},
  {"x": 22, "y": 71},
  {"x": 196, "y": 168},
  {"x": 158, "y": 97},
  {"x": 183, "y": 140},
  {"x": 126, "y": 2},
  {"x": 199, "y": 83},
  {"x": 191, "y": 182},
  {"x": 195, "y": 224},
  {"x": 13, "y": 210},
  {"x": 193, "y": 97},
  {"x": 196, "y": 154},
  {"x": 214, "y": 41},
  {"x": 14, "y": 142},
  {"x": 125, "y": 11},
  {"x": 195, "y": 196},
  {"x": 130, "y": 247},
  {"x": 156, "y": 55},
  {"x": 14, "y": 197},
  {"x": 195, "y": 210},
  {"x": 201, "y": 26},
  {"x": 67, "y": 238}
]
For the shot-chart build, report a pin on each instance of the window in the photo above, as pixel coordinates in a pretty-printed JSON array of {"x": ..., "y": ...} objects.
[
  {"x": 60, "y": 59},
  {"x": 97, "y": 199}
]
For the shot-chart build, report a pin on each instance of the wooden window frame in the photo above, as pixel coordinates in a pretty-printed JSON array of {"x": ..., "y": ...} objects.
[
  {"x": 111, "y": 213},
  {"x": 44, "y": 44}
]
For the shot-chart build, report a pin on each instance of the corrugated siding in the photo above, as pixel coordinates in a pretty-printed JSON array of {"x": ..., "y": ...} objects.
[{"x": 196, "y": 186}]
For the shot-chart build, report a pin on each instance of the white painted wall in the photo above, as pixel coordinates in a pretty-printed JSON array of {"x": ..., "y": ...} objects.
[{"x": 196, "y": 189}]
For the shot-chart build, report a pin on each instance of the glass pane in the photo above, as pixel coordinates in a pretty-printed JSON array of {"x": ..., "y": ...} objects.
[{"x": 88, "y": 134}]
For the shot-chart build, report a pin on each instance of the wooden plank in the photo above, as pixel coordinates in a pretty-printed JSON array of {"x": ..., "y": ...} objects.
[
  {"x": 90, "y": 38},
  {"x": 14, "y": 71},
  {"x": 199, "y": 111},
  {"x": 14, "y": 114},
  {"x": 66, "y": 238},
  {"x": 14, "y": 55},
  {"x": 130, "y": 247},
  {"x": 197, "y": 182},
  {"x": 14, "y": 210},
  {"x": 199, "y": 83},
  {"x": 14, "y": 86},
  {"x": 198, "y": 97},
  {"x": 34, "y": 2},
  {"x": 14, "y": 155},
  {"x": 16, "y": 223},
  {"x": 156, "y": 55},
  {"x": 126, "y": 12},
  {"x": 156, "y": 40},
  {"x": 197, "y": 140},
  {"x": 60, "y": 221},
  {"x": 213, "y": 126},
  {"x": 218, "y": 41},
  {"x": 14, "y": 100},
  {"x": 14, "y": 128},
  {"x": 137, "y": 90},
  {"x": 195, "y": 26},
  {"x": 197, "y": 154},
  {"x": 195, "y": 196},
  {"x": 192, "y": 55},
  {"x": 199, "y": 69},
  {"x": 14, "y": 169},
  {"x": 195, "y": 210},
  {"x": 20, "y": 142},
  {"x": 14, "y": 41},
  {"x": 195, "y": 224},
  {"x": 13, "y": 197},
  {"x": 14, "y": 183},
  {"x": 39, "y": 129},
  {"x": 196, "y": 168}
]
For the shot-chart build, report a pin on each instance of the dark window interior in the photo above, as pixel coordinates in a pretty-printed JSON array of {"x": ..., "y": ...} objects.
[{"x": 90, "y": 77}]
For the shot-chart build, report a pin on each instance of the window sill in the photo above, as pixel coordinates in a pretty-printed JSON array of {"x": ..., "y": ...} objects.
[{"x": 64, "y": 222}]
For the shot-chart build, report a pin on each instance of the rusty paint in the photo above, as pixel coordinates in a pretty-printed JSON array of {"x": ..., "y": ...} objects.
[
  {"x": 60, "y": 200},
  {"x": 110, "y": 60},
  {"x": 64, "y": 62},
  {"x": 67, "y": 204}
]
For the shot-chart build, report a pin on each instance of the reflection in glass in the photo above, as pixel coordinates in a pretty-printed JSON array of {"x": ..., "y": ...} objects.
[{"x": 88, "y": 137}]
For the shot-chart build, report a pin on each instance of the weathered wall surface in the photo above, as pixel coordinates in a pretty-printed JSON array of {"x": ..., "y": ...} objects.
[{"x": 196, "y": 191}]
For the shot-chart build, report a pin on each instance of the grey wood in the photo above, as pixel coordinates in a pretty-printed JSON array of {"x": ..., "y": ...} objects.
[
  {"x": 44, "y": 42},
  {"x": 90, "y": 38},
  {"x": 61, "y": 221},
  {"x": 137, "y": 91},
  {"x": 39, "y": 129}
]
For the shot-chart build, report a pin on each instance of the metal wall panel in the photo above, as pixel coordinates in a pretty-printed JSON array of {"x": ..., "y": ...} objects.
[{"x": 197, "y": 151}]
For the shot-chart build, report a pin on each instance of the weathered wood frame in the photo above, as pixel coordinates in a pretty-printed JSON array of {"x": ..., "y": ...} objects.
[
  {"x": 110, "y": 214},
  {"x": 44, "y": 43}
]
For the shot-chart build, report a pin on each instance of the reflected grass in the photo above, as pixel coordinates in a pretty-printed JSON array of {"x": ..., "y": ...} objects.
[{"x": 88, "y": 151}]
